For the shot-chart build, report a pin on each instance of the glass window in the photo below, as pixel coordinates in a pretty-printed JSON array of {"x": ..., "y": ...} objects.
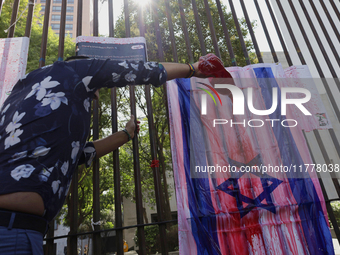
[
  {"x": 70, "y": 1},
  {"x": 55, "y": 17},
  {"x": 69, "y": 17},
  {"x": 69, "y": 26},
  {"x": 42, "y": 1},
  {"x": 57, "y": 1},
  {"x": 43, "y": 8},
  {"x": 66, "y": 34},
  {"x": 69, "y": 9},
  {"x": 55, "y": 26},
  {"x": 56, "y": 8}
]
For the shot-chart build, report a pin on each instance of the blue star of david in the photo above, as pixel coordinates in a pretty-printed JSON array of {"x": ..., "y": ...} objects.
[{"x": 269, "y": 184}]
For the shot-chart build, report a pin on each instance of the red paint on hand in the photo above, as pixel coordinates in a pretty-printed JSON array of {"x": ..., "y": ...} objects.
[{"x": 211, "y": 65}]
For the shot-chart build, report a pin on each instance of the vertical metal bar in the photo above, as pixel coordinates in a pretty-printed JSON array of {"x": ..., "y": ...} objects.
[
  {"x": 331, "y": 131},
  {"x": 138, "y": 185},
  {"x": 317, "y": 37},
  {"x": 316, "y": 132},
  {"x": 239, "y": 32},
  {"x": 160, "y": 195},
  {"x": 136, "y": 165},
  {"x": 330, "y": 19},
  {"x": 157, "y": 179},
  {"x": 335, "y": 8},
  {"x": 335, "y": 141},
  {"x": 116, "y": 178},
  {"x": 171, "y": 30},
  {"x": 226, "y": 34},
  {"x": 297, "y": 48},
  {"x": 212, "y": 29},
  {"x": 29, "y": 18},
  {"x": 328, "y": 204},
  {"x": 332, "y": 216},
  {"x": 74, "y": 212},
  {"x": 116, "y": 168},
  {"x": 198, "y": 27},
  {"x": 79, "y": 17},
  {"x": 324, "y": 53},
  {"x": 50, "y": 242},
  {"x": 264, "y": 26},
  {"x": 329, "y": 93},
  {"x": 157, "y": 31},
  {"x": 13, "y": 18},
  {"x": 96, "y": 195},
  {"x": 111, "y": 21},
  {"x": 62, "y": 30},
  {"x": 1, "y": 3},
  {"x": 329, "y": 208},
  {"x": 141, "y": 22},
  {"x": 316, "y": 62},
  {"x": 185, "y": 31},
  {"x": 45, "y": 33},
  {"x": 327, "y": 160},
  {"x": 251, "y": 32},
  {"x": 74, "y": 185},
  {"x": 156, "y": 175},
  {"x": 95, "y": 18},
  {"x": 278, "y": 31},
  {"x": 127, "y": 18}
]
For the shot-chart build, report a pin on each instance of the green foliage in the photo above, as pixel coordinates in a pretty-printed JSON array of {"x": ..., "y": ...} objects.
[
  {"x": 36, "y": 34},
  {"x": 6, "y": 14},
  {"x": 336, "y": 210},
  {"x": 152, "y": 239},
  {"x": 160, "y": 11}
]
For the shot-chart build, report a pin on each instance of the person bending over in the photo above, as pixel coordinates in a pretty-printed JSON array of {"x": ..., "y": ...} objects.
[{"x": 44, "y": 124}]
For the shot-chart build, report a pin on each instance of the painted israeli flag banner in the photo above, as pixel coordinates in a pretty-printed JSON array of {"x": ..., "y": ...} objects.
[{"x": 224, "y": 210}]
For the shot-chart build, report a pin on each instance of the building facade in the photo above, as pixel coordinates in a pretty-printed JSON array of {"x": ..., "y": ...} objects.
[{"x": 71, "y": 16}]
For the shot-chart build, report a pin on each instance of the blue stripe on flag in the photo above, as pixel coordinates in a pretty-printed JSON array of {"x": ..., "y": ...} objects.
[
  {"x": 313, "y": 222},
  {"x": 203, "y": 217}
]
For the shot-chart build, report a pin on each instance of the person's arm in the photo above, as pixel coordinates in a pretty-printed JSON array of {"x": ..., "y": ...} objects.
[
  {"x": 110, "y": 73},
  {"x": 114, "y": 141},
  {"x": 177, "y": 70}
]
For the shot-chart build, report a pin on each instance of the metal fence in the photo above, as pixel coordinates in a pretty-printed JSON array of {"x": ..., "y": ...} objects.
[{"x": 306, "y": 30}]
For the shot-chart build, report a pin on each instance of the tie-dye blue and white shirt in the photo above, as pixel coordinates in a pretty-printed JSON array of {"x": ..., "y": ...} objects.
[{"x": 45, "y": 122}]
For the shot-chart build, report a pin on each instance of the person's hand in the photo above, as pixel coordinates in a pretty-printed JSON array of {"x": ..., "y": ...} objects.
[
  {"x": 198, "y": 73},
  {"x": 210, "y": 66},
  {"x": 131, "y": 126}
]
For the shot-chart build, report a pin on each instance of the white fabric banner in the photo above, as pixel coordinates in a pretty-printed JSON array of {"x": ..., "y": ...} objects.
[
  {"x": 302, "y": 78},
  {"x": 13, "y": 62}
]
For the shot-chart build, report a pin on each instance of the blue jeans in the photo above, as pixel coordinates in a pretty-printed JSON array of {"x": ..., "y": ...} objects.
[{"x": 20, "y": 242}]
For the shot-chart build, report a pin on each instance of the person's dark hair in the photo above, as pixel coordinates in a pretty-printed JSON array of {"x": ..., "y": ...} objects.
[{"x": 76, "y": 57}]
